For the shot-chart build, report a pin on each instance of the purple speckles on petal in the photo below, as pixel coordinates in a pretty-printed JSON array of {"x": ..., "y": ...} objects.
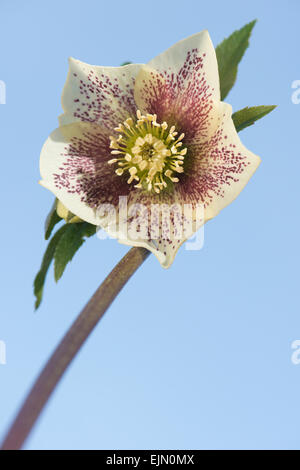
[
  {"x": 216, "y": 164},
  {"x": 99, "y": 154},
  {"x": 106, "y": 98},
  {"x": 184, "y": 98},
  {"x": 84, "y": 169}
]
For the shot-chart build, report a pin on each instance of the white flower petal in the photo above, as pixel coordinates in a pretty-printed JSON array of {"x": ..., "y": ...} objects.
[
  {"x": 98, "y": 94},
  {"x": 74, "y": 167},
  {"x": 175, "y": 221},
  {"x": 221, "y": 168},
  {"x": 187, "y": 58},
  {"x": 195, "y": 113},
  {"x": 181, "y": 86}
]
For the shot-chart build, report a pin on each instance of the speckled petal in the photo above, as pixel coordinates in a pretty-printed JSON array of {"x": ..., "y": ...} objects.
[
  {"x": 181, "y": 86},
  {"x": 74, "y": 167},
  {"x": 218, "y": 169},
  {"x": 187, "y": 58},
  {"x": 104, "y": 95},
  {"x": 171, "y": 221}
]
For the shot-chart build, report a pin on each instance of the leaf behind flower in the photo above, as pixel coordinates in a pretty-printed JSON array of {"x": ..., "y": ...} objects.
[
  {"x": 68, "y": 244},
  {"x": 52, "y": 219},
  {"x": 61, "y": 248},
  {"x": 229, "y": 54},
  {"x": 247, "y": 116}
]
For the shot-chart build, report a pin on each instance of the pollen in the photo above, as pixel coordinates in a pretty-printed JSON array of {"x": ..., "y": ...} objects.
[{"x": 148, "y": 154}]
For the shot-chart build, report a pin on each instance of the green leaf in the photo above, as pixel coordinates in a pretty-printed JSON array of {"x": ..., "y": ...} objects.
[
  {"x": 68, "y": 244},
  {"x": 126, "y": 63},
  {"x": 229, "y": 54},
  {"x": 47, "y": 259},
  {"x": 247, "y": 116},
  {"x": 62, "y": 247},
  {"x": 52, "y": 219}
]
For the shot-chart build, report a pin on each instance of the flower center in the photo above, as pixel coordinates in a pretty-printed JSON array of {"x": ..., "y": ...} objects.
[{"x": 148, "y": 153}]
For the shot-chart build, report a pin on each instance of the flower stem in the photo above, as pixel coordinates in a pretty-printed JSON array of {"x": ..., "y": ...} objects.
[{"x": 69, "y": 347}]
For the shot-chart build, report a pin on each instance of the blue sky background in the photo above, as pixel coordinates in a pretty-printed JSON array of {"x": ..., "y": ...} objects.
[{"x": 198, "y": 356}]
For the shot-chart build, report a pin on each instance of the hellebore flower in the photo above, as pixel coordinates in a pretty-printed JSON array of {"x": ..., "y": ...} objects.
[{"x": 156, "y": 133}]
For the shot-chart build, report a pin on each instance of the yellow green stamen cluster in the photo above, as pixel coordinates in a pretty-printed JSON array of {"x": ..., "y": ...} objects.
[{"x": 148, "y": 153}]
